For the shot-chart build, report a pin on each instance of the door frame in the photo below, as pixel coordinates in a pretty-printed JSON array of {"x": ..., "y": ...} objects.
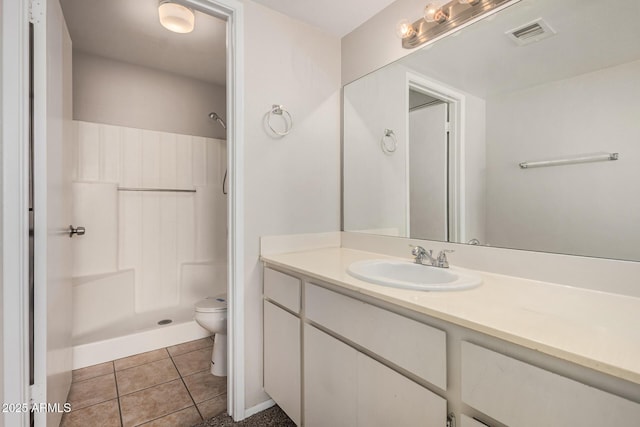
[
  {"x": 457, "y": 121},
  {"x": 16, "y": 16},
  {"x": 232, "y": 11},
  {"x": 15, "y": 207}
]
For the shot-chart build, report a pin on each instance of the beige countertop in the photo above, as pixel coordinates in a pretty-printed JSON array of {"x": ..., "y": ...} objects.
[{"x": 594, "y": 329}]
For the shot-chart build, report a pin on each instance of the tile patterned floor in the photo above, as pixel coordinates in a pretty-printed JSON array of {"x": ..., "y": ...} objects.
[{"x": 170, "y": 387}]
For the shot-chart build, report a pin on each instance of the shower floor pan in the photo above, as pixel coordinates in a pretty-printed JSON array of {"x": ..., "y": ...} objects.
[{"x": 136, "y": 334}]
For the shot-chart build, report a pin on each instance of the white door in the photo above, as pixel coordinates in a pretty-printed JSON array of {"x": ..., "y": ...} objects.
[
  {"x": 52, "y": 210},
  {"x": 428, "y": 171}
]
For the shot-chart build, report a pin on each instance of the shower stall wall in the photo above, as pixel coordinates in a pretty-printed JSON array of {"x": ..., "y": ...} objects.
[{"x": 155, "y": 239}]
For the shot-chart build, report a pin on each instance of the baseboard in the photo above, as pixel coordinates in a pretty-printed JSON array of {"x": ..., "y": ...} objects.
[{"x": 259, "y": 408}]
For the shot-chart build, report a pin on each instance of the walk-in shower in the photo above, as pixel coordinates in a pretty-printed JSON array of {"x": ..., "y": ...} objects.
[
  {"x": 146, "y": 186},
  {"x": 155, "y": 241}
]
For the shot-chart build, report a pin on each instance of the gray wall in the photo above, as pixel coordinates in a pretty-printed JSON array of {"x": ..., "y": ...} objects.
[{"x": 119, "y": 93}]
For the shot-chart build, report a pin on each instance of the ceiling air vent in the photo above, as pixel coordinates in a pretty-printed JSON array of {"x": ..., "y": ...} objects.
[{"x": 531, "y": 32}]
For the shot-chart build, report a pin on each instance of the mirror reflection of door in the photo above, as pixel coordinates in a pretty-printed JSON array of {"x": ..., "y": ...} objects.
[{"x": 428, "y": 167}]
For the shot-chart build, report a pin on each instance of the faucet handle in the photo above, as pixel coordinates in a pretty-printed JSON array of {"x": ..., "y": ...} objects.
[
  {"x": 415, "y": 250},
  {"x": 443, "y": 262},
  {"x": 420, "y": 253}
]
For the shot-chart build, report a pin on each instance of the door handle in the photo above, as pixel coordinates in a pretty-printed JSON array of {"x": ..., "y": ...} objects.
[{"x": 77, "y": 230}]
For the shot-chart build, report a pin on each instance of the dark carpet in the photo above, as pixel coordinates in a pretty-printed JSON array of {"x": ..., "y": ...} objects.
[{"x": 272, "y": 417}]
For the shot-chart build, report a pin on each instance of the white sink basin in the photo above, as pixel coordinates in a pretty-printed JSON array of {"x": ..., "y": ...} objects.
[{"x": 409, "y": 275}]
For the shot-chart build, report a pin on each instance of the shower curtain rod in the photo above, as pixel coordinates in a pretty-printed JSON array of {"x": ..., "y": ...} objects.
[{"x": 160, "y": 190}]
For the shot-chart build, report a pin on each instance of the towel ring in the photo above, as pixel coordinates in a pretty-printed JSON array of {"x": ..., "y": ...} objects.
[
  {"x": 389, "y": 142},
  {"x": 278, "y": 110}
]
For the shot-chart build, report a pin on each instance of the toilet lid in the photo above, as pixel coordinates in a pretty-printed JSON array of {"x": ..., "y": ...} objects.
[{"x": 212, "y": 304}]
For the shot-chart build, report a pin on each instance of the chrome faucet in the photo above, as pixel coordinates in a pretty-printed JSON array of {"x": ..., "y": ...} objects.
[{"x": 425, "y": 257}]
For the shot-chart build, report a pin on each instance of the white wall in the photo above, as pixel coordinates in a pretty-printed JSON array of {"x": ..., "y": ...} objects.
[
  {"x": 119, "y": 93},
  {"x": 375, "y": 184},
  {"x": 291, "y": 184},
  {"x": 550, "y": 208}
]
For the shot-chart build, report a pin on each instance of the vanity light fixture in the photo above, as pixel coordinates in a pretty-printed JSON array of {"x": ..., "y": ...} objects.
[
  {"x": 176, "y": 17},
  {"x": 440, "y": 18}
]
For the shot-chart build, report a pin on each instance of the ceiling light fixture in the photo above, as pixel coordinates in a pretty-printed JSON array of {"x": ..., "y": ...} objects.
[
  {"x": 176, "y": 17},
  {"x": 440, "y": 17}
]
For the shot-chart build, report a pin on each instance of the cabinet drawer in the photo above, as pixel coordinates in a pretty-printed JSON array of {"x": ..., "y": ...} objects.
[
  {"x": 411, "y": 345},
  {"x": 283, "y": 289},
  {"x": 518, "y": 394}
]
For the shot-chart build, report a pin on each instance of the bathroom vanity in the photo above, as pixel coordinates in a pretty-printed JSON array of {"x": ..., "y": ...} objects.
[{"x": 339, "y": 351}]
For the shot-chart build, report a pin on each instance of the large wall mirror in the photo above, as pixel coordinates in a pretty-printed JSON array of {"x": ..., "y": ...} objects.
[{"x": 484, "y": 138}]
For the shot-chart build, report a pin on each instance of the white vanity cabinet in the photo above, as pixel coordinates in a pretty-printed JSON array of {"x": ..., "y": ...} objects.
[
  {"x": 334, "y": 357},
  {"x": 282, "y": 374},
  {"x": 344, "y": 386},
  {"x": 519, "y": 394}
]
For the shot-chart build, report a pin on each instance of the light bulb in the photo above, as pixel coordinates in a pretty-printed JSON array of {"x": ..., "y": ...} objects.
[
  {"x": 176, "y": 17},
  {"x": 434, "y": 13},
  {"x": 404, "y": 29}
]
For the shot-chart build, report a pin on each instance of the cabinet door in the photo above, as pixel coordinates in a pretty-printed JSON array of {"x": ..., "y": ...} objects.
[
  {"x": 330, "y": 375},
  {"x": 282, "y": 359},
  {"x": 386, "y": 398}
]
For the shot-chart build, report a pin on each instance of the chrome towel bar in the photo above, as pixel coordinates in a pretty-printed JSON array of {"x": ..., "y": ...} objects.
[
  {"x": 584, "y": 158},
  {"x": 159, "y": 190}
]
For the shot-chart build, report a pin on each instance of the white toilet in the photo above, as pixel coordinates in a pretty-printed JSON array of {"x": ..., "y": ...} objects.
[{"x": 211, "y": 314}]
